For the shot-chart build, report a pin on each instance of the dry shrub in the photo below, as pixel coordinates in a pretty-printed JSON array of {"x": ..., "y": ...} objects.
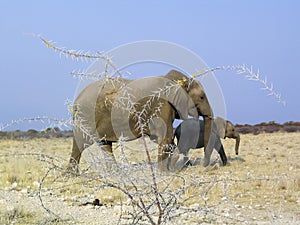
[{"x": 16, "y": 215}]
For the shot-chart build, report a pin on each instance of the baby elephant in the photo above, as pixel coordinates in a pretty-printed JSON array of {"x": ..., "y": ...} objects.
[{"x": 190, "y": 134}]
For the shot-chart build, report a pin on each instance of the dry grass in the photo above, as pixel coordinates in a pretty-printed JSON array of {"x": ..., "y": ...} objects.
[{"x": 267, "y": 180}]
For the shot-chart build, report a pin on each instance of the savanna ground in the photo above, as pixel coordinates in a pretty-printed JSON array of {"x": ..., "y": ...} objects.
[{"x": 262, "y": 187}]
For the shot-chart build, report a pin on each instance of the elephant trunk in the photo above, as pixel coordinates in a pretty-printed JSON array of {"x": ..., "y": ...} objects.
[
  {"x": 237, "y": 144},
  {"x": 208, "y": 142}
]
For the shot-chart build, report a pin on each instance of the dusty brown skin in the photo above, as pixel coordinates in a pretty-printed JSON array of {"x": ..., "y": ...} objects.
[{"x": 96, "y": 106}]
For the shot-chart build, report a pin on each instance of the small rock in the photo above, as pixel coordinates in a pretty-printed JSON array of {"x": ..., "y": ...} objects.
[
  {"x": 128, "y": 201},
  {"x": 36, "y": 184},
  {"x": 103, "y": 209},
  {"x": 14, "y": 185},
  {"x": 10, "y": 208},
  {"x": 24, "y": 191},
  {"x": 155, "y": 218},
  {"x": 91, "y": 196},
  {"x": 45, "y": 189},
  {"x": 6, "y": 188},
  {"x": 237, "y": 206},
  {"x": 73, "y": 198},
  {"x": 118, "y": 210},
  {"x": 194, "y": 206},
  {"x": 108, "y": 198}
]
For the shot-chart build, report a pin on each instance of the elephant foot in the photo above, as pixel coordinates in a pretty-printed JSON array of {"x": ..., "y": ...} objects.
[
  {"x": 224, "y": 162},
  {"x": 172, "y": 160},
  {"x": 167, "y": 157},
  {"x": 72, "y": 170},
  {"x": 163, "y": 166},
  {"x": 206, "y": 162}
]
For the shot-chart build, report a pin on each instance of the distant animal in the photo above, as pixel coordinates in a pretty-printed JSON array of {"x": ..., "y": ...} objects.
[
  {"x": 190, "y": 135},
  {"x": 95, "y": 105}
]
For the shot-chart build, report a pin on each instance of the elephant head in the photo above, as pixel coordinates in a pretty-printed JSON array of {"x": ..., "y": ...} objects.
[
  {"x": 197, "y": 94},
  {"x": 227, "y": 130}
]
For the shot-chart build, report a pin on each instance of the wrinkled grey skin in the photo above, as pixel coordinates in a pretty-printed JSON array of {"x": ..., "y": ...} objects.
[
  {"x": 95, "y": 105},
  {"x": 190, "y": 135}
]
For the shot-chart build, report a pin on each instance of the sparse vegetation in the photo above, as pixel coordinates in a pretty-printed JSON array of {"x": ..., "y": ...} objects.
[
  {"x": 267, "y": 183},
  {"x": 16, "y": 215}
]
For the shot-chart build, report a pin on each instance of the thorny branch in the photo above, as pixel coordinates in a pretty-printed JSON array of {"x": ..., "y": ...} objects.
[
  {"x": 43, "y": 119},
  {"x": 250, "y": 75},
  {"x": 73, "y": 53}
]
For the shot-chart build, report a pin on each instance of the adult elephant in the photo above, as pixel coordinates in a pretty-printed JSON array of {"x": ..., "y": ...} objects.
[
  {"x": 190, "y": 134},
  {"x": 112, "y": 108}
]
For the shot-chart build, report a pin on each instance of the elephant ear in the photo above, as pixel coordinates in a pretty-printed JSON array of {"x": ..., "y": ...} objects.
[
  {"x": 180, "y": 99},
  {"x": 183, "y": 104},
  {"x": 221, "y": 126},
  {"x": 179, "y": 77}
]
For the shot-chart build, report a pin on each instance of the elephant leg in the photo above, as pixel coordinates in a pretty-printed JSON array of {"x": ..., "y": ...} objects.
[
  {"x": 208, "y": 151},
  {"x": 209, "y": 140},
  {"x": 220, "y": 149},
  {"x": 109, "y": 157},
  {"x": 163, "y": 154},
  {"x": 164, "y": 151},
  {"x": 173, "y": 157},
  {"x": 223, "y": 155},
  {"x": 75, "y": 157}
]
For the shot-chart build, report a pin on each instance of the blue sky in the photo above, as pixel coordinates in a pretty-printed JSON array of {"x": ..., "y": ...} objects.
[{"x": 265, "y": 34}]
